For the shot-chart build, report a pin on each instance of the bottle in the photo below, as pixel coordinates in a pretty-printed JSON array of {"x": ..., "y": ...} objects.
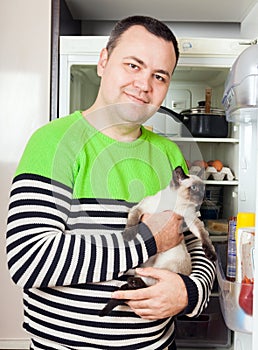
[
  {"x": 231, "y": 250},
  {"x": 244, "y": 220}
]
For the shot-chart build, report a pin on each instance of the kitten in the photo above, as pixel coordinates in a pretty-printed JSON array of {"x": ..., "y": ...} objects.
[{"x": 184, "y": 196}]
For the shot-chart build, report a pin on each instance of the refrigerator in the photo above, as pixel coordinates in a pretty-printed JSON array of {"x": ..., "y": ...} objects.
[{"x": 204, "y": 63}]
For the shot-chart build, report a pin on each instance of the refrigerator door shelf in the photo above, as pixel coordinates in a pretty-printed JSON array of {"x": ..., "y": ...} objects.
[{"x": 235, "y": 317}]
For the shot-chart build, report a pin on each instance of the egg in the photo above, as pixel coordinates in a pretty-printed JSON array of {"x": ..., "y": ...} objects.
[
  {"x": 200, "y": 163},
  {"x": 217, "y": 164}
]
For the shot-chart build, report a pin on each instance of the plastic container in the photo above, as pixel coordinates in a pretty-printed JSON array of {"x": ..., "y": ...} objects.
[
  {"x": 241, "y": 88},
  {"x": 213, "y": 193},
  {"x": 209, "y": 210},
  {"x": 235, "y": 317}
]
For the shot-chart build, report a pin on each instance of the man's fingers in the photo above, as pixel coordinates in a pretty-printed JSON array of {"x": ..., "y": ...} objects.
[
  {"x": 153, "y": 272},
  {"x": 130, "y": 294}
]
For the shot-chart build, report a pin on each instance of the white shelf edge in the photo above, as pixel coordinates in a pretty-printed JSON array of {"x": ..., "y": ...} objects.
[
  {"x": 204, "y": 139},
  {"x": 223, "y": 182},
  {"x": 16, "y": 344}
]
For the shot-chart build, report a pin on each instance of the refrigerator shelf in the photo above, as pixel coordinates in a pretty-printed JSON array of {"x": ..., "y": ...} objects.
[{"x": 223, "y": 182}]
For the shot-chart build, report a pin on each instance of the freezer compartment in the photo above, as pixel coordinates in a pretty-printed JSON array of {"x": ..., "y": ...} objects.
[
  {"x": 207, "y": 330},
  {"x": 235, "y": 317},
  {"x": 241, "y": 88}
]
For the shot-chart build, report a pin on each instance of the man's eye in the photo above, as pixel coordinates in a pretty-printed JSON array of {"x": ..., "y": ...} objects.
[
  {"x": 159, "y": 77},
  {"x": 133, "y": 66}
]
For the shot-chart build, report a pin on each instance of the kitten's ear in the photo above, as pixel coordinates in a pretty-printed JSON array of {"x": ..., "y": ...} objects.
[{"x": 178, "y": 176}]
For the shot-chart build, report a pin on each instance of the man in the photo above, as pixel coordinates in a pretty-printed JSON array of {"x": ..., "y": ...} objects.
[{"x": 75, "y": 183}]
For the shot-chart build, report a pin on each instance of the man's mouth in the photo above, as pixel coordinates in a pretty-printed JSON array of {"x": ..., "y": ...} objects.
[{"x": 136, "y": 98}]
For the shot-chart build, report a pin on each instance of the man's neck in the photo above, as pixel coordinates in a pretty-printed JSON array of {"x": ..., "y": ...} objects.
[{"x": 125, "y": 132}]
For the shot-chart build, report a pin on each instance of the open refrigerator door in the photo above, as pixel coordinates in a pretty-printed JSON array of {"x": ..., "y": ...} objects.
[{"x": 241, "y": 105}]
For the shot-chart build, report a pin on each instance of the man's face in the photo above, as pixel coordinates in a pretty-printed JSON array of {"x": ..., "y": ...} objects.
[{"x": 137, "y": 73}]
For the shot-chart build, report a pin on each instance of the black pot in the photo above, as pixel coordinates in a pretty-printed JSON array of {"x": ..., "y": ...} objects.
[{"x": 198, "y": 123}]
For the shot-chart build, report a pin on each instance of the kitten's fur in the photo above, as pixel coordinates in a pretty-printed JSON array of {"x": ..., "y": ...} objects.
[{"x": 184, "y": 196}]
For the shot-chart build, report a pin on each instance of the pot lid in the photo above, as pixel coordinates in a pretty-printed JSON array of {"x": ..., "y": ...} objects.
[{"x": 200, "y": 109}]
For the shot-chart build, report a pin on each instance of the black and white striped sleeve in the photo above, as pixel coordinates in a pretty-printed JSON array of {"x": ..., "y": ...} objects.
[
  {"x": 47, "y": 245},
  {"x": 203, "y": 273}
]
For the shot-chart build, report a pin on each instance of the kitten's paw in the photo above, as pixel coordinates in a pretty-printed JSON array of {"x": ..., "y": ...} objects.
[
  {"x": 135, "y": 283},
  {"x": 132, "y": 283},
  {"x": 114, "y": 302},
  {"x": 210, "y": 252},
  {"x": 130, "y": 232}
]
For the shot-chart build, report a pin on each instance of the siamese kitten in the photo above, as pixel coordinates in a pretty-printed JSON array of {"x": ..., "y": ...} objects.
[{"x": 184, "y": 196}]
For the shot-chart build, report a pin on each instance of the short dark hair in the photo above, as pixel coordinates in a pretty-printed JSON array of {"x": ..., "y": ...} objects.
[{"x": 153, "y": 25}]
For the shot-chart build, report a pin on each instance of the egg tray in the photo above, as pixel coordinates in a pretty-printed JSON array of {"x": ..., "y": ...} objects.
[{"x": 211, "y": 172}]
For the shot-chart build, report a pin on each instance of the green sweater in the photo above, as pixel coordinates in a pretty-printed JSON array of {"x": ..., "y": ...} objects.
[
  {"x": 69, "y": 202},
  {"x": 71, "y": 151}
]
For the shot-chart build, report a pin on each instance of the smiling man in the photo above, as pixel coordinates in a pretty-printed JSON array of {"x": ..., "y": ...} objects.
[
  {"x": 70, "y": 198},
  {"x": 136, "y": 74}
]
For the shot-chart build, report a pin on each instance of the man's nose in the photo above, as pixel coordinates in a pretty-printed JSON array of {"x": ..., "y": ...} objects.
[{"x": 143, "y": 82}]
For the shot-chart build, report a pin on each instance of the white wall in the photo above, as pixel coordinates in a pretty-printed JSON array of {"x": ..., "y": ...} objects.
[{"x": 25, "y": 29}]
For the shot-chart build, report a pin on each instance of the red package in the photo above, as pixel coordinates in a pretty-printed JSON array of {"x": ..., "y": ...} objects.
[{"x": 246, "y": 296}]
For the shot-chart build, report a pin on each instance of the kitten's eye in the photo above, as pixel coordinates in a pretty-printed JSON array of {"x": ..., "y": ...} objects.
[{"x": 194, "y": 188}]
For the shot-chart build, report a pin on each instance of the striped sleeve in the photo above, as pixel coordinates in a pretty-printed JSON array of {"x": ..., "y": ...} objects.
[
  {"x": 202, "y": 276},
  {"x": 52, "y": 241}
]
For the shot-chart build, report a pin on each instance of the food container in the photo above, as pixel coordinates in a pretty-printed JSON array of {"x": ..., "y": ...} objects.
[
  {"x": 241, "y": 87},
  {"x": 201, "y": 121},
  {"x": 209, "y": 210},
  {"x": 214, "y": 194}
]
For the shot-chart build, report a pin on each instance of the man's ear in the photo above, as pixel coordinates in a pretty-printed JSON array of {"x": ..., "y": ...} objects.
[{"x": 103, "y": 58}]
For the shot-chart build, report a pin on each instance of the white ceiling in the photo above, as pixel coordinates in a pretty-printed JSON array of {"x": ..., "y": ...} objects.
[{"x": 165, "y": 10}]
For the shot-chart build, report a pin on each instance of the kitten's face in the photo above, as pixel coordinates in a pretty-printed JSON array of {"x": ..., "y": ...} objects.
[{"x": 192, "y": 189}]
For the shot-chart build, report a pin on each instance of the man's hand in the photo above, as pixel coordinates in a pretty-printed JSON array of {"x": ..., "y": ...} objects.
[
  {"x": 166, "y": 228},
  {"x": 166, "y": 298}
]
